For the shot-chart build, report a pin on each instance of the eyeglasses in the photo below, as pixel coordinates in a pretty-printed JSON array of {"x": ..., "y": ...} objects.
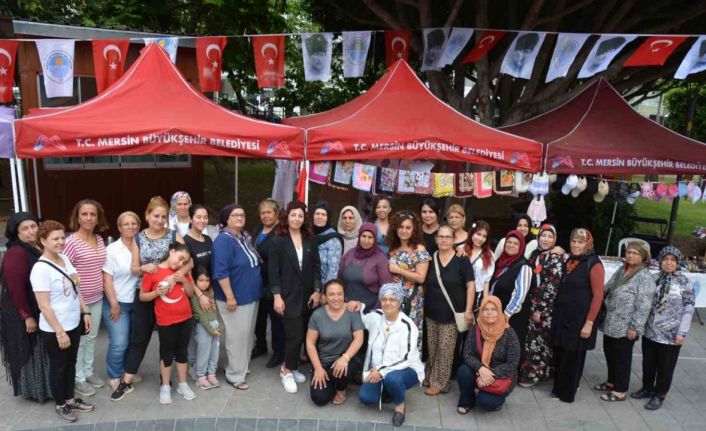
[
  {"x": 407, "y": 214},
  {"x": 238, "y": 215},
  {"x": 633, "y": 252}
]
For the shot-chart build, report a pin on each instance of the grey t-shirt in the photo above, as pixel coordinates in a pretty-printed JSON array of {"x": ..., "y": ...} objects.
[{"x": 334, "y": 335}]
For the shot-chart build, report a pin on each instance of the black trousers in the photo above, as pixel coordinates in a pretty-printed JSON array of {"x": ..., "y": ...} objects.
[
  {"x": 143, "y": 321},
  {"x": 569, "y": 369},
  {"x": 323, "y": 396},
  {"x": 174, "y": 342},
  {"x": 293, "y": 339},
  {"x": 658, "y": 364},
  {"x": 62, "y": 364},
  {"x": 266, "y": 309},
  {"x": 618, "y": 357}
]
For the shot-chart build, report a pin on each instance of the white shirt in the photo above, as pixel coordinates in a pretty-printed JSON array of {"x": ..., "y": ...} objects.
[
  {"x": 117, "y": 263},
  {"x": 481, "y": 275},
  {"x": 62, "y": 298}
]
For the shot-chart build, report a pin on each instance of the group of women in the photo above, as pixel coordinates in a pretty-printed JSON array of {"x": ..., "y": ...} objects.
[{"x": 401, "y": 300}]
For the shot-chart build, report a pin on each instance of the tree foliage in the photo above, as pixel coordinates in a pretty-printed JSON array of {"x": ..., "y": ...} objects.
[{"x": 677, "y": 102}]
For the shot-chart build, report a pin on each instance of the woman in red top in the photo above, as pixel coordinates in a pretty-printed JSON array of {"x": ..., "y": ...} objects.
[{"x": 173, "y": 311}]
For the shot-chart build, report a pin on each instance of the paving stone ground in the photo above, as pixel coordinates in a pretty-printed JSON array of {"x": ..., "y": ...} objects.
[{"x": 266, "y": 407}]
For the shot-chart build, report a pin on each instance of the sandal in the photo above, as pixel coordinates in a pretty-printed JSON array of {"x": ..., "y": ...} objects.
[
  {"x": 603, "y": 387},
  {"x": 339, "y": 398},
  {"x": 611, "y": 397},
  {"x": 463, "y": 410},
  {"x": 242, "y": 386}
]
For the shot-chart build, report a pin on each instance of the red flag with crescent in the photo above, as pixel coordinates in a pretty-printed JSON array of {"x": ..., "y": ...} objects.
[
  {"x": 397, "y": 45},
  {"x": 269, "y": 60},
  {"x": 489, "y": 39},
  {"x": 109, "y": 61},
  {"x": 654, "y": 51},
  {"x": 8, "y": 49},
  {"x": 209, "y": 62}
]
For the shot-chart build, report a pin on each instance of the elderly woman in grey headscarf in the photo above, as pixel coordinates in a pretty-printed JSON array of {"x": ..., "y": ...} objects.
[
  {"x": 392, "y": 361},
  {"x": 628, "y": 299},
  {"x": 666, "y": 329},
  {"x": 179, "y": 219},
  {"x": 349, "y": 224}
]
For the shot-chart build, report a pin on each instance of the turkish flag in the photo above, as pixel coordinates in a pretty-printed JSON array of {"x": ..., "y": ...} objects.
[
  {"x": 109, "y": 61},
  {"x": 269, "y": 60},
  {"x": 654, "y": 51},
  {"x": 486, "y": 43},
  {"x": 302, "y": 184},
  {"x": 8, "y": 48},
  {"x": 209, "y": 62},
  {"x": 397, "y": 45}
]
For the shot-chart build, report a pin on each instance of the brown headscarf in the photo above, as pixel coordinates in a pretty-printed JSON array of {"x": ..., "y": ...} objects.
[
  {"x": 491, "y": 333},
  {"x": 582, "y": 234}
]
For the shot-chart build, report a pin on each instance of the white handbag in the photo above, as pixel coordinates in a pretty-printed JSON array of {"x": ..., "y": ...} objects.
[{"x": 460, "y": 318}]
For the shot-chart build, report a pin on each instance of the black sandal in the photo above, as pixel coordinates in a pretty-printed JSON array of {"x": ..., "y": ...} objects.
[
  {"x": 603, "y": 387},
  {"x": 611, "y": 397},
  {"x": 463, "y": 410}
]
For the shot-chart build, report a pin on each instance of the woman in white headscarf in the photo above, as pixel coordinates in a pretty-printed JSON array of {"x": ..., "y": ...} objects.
[
  {"x": 349, "y": 224},
  {"x": 179, "y": 218}
]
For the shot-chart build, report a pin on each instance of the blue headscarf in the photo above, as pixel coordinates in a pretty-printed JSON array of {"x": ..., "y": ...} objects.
[{"x": 392, "y": 289}]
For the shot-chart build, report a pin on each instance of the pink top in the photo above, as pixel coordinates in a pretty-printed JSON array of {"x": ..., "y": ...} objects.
[{"x": 89, "y": 264}]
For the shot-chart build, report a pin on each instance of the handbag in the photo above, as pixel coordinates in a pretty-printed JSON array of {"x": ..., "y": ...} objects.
[
  {"x": 82, "y": 326},
  {"x": 460, "y": 318},
  {"x": 501, "y": 385}
]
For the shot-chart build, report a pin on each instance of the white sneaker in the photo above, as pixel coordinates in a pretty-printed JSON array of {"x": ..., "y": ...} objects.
[
  {"x": 165, "y": 394},
  {"x": 290, "y": 385},
  {"x": 185, "y": 391},
  {"x": 299, "y": 377}
]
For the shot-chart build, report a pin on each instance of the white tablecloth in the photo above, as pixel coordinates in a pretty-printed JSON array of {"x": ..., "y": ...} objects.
[{"x": 698, "y": 280}]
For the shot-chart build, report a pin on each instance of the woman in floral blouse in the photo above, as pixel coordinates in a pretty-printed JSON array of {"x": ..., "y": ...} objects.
[
  {"x": 409, "y": 262},
  {"x": 547, "y": 267}
]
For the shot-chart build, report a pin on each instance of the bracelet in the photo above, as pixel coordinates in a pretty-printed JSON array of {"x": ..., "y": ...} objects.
[
  {"x": 61, "y": 335},
  {"x": 88, "y": 313},
  {"x": 345, "y": 355}
]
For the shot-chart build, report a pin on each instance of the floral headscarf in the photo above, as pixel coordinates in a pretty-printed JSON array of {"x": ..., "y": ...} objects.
[{"x": 172, "y": 207}]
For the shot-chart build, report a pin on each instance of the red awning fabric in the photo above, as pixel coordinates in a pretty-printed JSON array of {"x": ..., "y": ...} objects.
[
  {"x": 152, "y": 109},
  {"x": 399, "y": 118},
  {"x": 598, "y": 132}
]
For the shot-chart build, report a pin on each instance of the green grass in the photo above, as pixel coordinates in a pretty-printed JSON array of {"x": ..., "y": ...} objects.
[{"x": 689, "y": 217}]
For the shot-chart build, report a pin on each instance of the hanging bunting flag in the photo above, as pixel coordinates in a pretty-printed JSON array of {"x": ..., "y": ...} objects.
[
  {"x": 397, "y": 45},
  {"x": 695, "y": 59},
  {"x": 316, "y": 50},
  {"x": 209, "y": 62},
  {"x": 519, "y": 59},
  {"x": 454, "y": 45},
  {"x": 8, "y": 49},
  {"x": 654, "y": 51},
  {"x": 169, "y": 44},
  {"x": 485, "y": 44},
  {"x": 269, "y": 61},
  {"x": 603, "y": 52},
  {"x": 355, "y": 53},
  {"x": 565, "y": 51},
  {"x": 109, "y": 61},
  {"x": 434, "y": 40},
  {"x": 57, "y": 59}
]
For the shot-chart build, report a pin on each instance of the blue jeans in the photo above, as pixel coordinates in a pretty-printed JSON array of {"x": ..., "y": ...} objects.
[
  {"x": 118, "y": 338},
  {"x": 466, "y": 378},
  {"x": 207, "y": 346},
  {"x": 395, "y": 383}
]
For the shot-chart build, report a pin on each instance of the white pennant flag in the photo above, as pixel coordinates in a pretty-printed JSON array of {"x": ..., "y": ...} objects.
[
  {"x": 457, "y": 40},
  {"x": 355, "y": 52},
  {"x": 695, "y": 59},
  {"x": 434, "y": 41},
  {"x": 565, "y": 51},
  {"x": 169, "y": 44},
  {"x": 603, "y": 52},
  {"x": 316, "y": 50},
  {"x": 57, "y": 58},
  {"x": 519, "y": 59}
]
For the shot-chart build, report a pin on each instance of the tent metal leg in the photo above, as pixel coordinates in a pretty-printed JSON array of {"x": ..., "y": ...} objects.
[
  {"x": 36, "y": 189},
  {"x": 236, "y": 180},
  {"x": 610, "y": 230},
  {"x": 15, "y": 194},
  {"x": 21, "y": 184}
]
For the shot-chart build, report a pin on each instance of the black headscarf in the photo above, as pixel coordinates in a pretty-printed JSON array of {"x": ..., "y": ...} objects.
[
  {"x": 528, "y": 219},
  {"x": 11, "y": 233},
  {"x": 319, "y": 230}
]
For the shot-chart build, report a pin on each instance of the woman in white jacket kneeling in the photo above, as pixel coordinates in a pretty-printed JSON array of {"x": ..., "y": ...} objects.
[{"x": 392, "y": 362}]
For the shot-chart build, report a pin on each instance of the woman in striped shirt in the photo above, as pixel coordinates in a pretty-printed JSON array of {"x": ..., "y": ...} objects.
[{"x": 86, "y": 251}]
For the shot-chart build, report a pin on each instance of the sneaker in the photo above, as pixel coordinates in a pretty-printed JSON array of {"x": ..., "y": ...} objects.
[
  {"x": 77, "y": 405},
  {"x": 165, "y": 394},
  {"x": 203, "y": 383},
  {"x": 65, "y": 414},
  {"x": 289, "y": 383},
  {"x": 84, "y": 389},
  {"x": 95, "y": 381},
  {"x": 185, "y": 391},
  {"x": 299, "y": 377},
  {"x": 122, "y": 390},
  {"x": 114, "y": 384},
  {"x": 213, "y": 381}
]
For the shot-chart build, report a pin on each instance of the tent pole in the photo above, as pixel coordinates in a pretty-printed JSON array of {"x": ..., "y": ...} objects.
[
  {"x": 236, "y": 180},
  {"x": 22, "y": 186},
  {"x": 306, "y": 186},
  {"x": 689, "y": 125},
  {"x": 610, "y": 230},
  {"x": 36, "y": 189},
  {"x": 13, "y": 176}
]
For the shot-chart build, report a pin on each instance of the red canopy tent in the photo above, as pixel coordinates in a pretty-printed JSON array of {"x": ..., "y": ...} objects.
[
  {"x": 399, "y": 117},
  {"x": 598, "y": 132},
  {"x": 152, "y": 109}
]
